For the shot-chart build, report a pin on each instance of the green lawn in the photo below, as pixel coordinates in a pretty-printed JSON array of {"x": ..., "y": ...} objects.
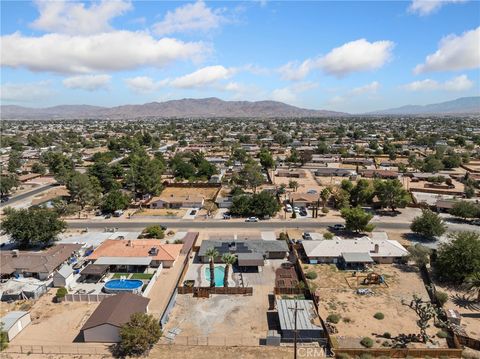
[
  {"x": 119, "y": 275},
  {"x": 141, "y": 276}
]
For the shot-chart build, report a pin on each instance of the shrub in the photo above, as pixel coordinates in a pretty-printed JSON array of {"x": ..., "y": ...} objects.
[
  {"x": 61, "y": 293},
  {"x": 366, "y": 356},
  {"x": 441, "y": 297},
  {"x": 325, "y": 210},
  {"x": 154, "y": 232},
  {"x": 387, "y": 335},
  {"x": 442, "y": 334},
  {"x": 342, "y": 356},
  {"x": 333, "y": 318},
  {"x": 283, "y": 236},
  {"x": 346, "y": 320},
  {"x": 311, "y": 275},
  {"x": 379, "y": 315},
  {"x": 328, "y": 235},
  {"x": 367, "y": 342}
]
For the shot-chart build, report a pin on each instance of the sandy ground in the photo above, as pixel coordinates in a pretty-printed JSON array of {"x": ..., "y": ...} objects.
[
  {"x": 161, "y": 212},
  {"x": 54, "y": 323},
  {"x": 206, "y": 192},
  {"x": 338, "y": 296},
  {"x": 468, "y": 307}
]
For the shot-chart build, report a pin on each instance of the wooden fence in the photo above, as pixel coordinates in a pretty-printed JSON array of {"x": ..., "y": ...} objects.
[
  {"x": 468, "y": 341},
  {"x": 401, "y": 352},
  {"x": 289, "y": 291},
  {"x": 201, "y": 291}
]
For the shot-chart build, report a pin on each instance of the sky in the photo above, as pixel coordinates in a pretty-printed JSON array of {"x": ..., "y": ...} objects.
[{"x": 347, "y": 56}]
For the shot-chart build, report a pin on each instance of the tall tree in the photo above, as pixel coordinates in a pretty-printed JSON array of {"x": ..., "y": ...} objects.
[
  {"x": 7, "y": 183},
  {"x": 251, "y": 176},
  {"x": 391, "y": 194},
  {"x": 138, "y": 335},
  {"x": 145, "y": 175},
  {"x": 84, "y": 190},
  {"x": 14, "y": 161},
  {"x": 115, "y": 200},
  {"x": 357, "y": 220},
  {"x": 465, "y": 209},
  {"x": 32, "y": 226},
  {"x": 229, "y": 260},
  {"x": 428, "y": 225},
  {"x": 266, "y": 158},
  {"x": 212, "y": 254},
  {"x": 473, "y": 283}
]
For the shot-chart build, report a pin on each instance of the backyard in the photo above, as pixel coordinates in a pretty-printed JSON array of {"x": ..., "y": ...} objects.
[{"x": 356, "y": 313}]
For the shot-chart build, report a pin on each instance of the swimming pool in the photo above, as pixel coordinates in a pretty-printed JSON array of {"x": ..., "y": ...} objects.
[
  {"x": 123, "y": 285},
  {"x": 219, "y": 275}
]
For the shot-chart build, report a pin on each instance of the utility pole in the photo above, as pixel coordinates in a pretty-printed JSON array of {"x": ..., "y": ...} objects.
[{"x": 295, "y": 310}]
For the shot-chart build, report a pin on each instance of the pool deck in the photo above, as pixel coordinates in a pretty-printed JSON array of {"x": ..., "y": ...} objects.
[{"x": 196, "y": 272}]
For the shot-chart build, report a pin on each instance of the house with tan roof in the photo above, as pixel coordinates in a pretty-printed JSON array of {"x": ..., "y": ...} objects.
[
  {"x": 304, "y": 199},
  {"x": 130, "y": 254},
  {"x": 176, "y": 201}
]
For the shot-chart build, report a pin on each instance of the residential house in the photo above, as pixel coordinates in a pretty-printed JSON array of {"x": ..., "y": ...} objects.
[
  {"x": 176, "y": 201},
  {"x": 304, "y": 199},
  {"x": 14, "y": 322},
  {"x": 105, "y": 322}
]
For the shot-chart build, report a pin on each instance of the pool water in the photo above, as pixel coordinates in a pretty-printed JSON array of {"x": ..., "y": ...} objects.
[
  {"x": 219, "y": 275},
  {"x": 123, "y": 285}
]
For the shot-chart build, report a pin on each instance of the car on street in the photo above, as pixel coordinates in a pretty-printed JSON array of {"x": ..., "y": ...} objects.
[
  {"x": 288, "y": 208},
  {"x": 337, "y": 227},
  {"x": 307, "y": 236},
  {"x": 303, "y": 212},
  {"x": 296, "y": 210},
  {"x": 227, "y": 216},
  {"x": 251, "y": 219},
  {"x": 107, "y": 216},
  {"x": 193, "y": 212}
]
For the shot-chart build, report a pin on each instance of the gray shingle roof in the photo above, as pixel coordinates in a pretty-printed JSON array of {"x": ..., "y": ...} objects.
[{"x": 243, "y": 246}]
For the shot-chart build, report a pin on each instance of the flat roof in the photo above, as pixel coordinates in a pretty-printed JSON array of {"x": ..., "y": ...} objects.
[
  {"x": 138, "y": 261},
  {"x": 94, "y": 269},
  {"x": 357, "y": 257},
  {"x": 305, "y": 314}
]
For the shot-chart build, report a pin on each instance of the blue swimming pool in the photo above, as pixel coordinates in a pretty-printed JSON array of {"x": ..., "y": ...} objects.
[
  {"x": 123, "y": 285},
  {"x": 219, "y": 275}
]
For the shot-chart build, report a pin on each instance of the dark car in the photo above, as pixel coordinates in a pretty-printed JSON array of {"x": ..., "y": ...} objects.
[
  {"x": 303, "y": 212},
  {"x": 107, "y": 216},
  {"x": 307, "y": 236},
  {"x": 337, "y": 227},
  {"x": 193, "y": 212}
]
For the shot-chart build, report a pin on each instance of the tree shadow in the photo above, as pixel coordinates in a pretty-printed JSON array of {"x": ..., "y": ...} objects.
[
  {"x": 387, "y": 213},
  {"x": 413, "y": 237},
  {"x": 466, "y": 301},
  {"x": 406, "y": 268}
]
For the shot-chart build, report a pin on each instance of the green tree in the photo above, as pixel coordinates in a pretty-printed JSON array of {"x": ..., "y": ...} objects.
[
  {"x": 428, "y": 225},
  {"x": 84, "y": 190},
  {"x": 266, "y": 158},
  {"x": 229, "y": 260},
  {"x": 206, "y": 169},
  {"x": 357, "y": 220},
  {"x": 145, "y": 174},
  {"x": 458, "y": 259},
  {"x": 264, "y": 204},
  {"x": 251, "y": 176},
  {"x": 14, "y": 161},
  {"x": 325, "y": 196},
  {"x": 115, "y": 200},
  {"x": 362, "y": 193},
  {"x": 293, "y": 185},
  {"x": 32, "y": 226},
  {"x": 241, "y": 205},
  {"x": 105, "y": 175},
  {"x": 391, "y": 194},
  {"x": 7, "y": 183},
  {"x": 154, "y": 231},
  {"x": 419, "y": 254},
  {"x": 465, "y": 209},
  {"x": 432, "y": 164},
  {"x": 139, "y": 335},
  {"x": 39, "y": 168},
  {"x": 473, "y": 284},
  {"x": 3, "y": 338},
  {"x": 212, "y": 254}
]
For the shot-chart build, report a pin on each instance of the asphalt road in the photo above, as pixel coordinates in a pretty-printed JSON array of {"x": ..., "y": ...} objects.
[
  {"x": 179, "y": 224},
  {"x": 27, "y": 194}
]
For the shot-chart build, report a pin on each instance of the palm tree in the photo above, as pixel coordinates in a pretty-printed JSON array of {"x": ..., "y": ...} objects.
[
  {"x": 473, "y": 284},
  {"x": 325, "y": 195},
  {"x": 212, "y": 253},
  {"x": 229, "y": 260}
]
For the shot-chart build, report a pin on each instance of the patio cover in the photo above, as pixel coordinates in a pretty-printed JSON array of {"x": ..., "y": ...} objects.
[
  {"x": 126, "y": 261},
  {"x": 357, "y": 257},
  {"x": 250, "y": 259},
  {"x": 95, "y": 269}
]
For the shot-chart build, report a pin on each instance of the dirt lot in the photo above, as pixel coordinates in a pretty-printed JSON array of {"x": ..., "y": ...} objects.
[
  {"x": 466, "y": 304},
  {"x": 161, "y": 212},
  {"x": 54, "y": 323},
  {"x": 337, "y": 290},
  {"x": 226, "y": 319},
  {"x": 206, "y": 192}
]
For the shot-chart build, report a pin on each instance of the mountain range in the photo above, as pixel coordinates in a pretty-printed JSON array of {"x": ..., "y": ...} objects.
[{"x": 214, "y": 107}]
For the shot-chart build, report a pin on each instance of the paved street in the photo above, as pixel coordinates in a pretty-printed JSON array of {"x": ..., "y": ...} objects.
[{"x": 27, "y": 194}]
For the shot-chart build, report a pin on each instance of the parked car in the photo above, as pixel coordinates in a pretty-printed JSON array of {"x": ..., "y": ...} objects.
[
  {"x": 307, "y": 236},
  {"x": 303, "y": 212},
  {"x": 227, "y": 216},
  {"x": 312, "y": 191},
  {"x": 476, "y": 222},
  {"x": 98, "y": 213},
  {"x": 251, "y": 219},
  {"x": 5, "y": 199},
  {"x": 296, "y": 210},
  {"x": 117, "y": 213},
  {"x": 193, "y": 212},
  {"x": 107, "y": 216},
  {"x": 288, "y": 208},
  {"x": 337, "y": 227}
]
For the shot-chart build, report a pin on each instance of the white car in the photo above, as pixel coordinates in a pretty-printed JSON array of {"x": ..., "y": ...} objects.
[
  {"x": 296, "y": 210},
  {"x": 251, "y": 219},
  {"x": 288, "y": 208}
]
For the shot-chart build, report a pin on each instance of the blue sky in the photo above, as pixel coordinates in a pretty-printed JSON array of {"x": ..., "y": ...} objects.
[{"x": 339, "y": 55}]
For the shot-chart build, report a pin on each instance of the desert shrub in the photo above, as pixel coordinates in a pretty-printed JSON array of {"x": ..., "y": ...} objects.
[
  {"x": 61, "y": 293},
  {"x": 441, "y": 297},
  {"x": 387, "y": 335},
  {"x": 386, "y": 344},
  {"x": 325, "y": 210},
  {"x": 366, "y": 356},
  {"x": 333, "y": 318},
  {"x": 442, "y": 334},
  {"x": 367, "y": 342},
  {"x": 342, "y": 356},
  {"x": 346, "y": 320},
  {"x": 328, "y": 235},
  {"x": 379, "y": 315},
  {"x": 311, "y": 275}
]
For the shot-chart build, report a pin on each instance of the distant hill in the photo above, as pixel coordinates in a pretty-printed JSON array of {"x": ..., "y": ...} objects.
[
  {"x": 463, "y": 105},
  {"x": 208, "y": 107}
]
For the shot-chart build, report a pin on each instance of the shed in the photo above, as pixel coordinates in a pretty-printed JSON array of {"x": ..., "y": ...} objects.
[
  {"x": 307, "y": 329},
  {"x": 14, "y": 322},
  {"x": 250, "y": 259},
  {"x": 105, "y": 322},
  {"x": 63, "y": 277}
]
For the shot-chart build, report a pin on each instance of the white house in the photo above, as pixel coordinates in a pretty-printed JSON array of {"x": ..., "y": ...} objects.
[{"x": 14, "y": 322}]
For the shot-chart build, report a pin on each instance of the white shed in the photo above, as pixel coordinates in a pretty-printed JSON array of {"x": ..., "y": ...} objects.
[
  {"x": 63, "y": 277},
  {"x": 14, "y": 322}
]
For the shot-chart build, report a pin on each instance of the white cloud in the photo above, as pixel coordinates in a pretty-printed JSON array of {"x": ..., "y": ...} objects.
[
  {"x": 70, "y": 17},
  {"x": 459, "y": 83},
  {"x": 112, "y": 51},
  {"x": 369, "y": 88},
  {"x": 454, "y": 53},
  {"x": 87, "y": 82},
  {"x": 358, "y": 55},
  {"x": 190, "y": 17},
  {"x": 426, "y": 7},
  {"x": 202, "y": 77},
  {"x": 25, "y": 92},
  {"x": 289, "y": 94},
  {"x": 143, "y": 84},
  {"x": 354, "y": 56}
]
